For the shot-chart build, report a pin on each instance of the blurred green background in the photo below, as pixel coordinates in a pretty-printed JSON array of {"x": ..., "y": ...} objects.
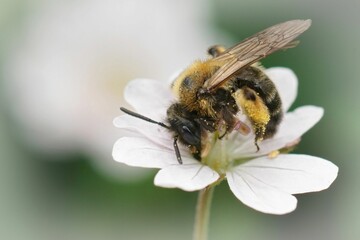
[{"x": 63, "y": 65}]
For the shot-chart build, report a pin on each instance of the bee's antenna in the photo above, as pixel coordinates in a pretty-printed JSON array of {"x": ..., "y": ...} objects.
[{"x": 134, "y": 114}]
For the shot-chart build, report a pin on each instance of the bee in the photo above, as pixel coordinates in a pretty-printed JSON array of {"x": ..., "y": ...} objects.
[{"x": 212, "y": 92}]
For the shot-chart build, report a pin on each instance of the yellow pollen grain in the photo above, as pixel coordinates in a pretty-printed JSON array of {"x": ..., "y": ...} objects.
[
  {"x": 257, "y": 112},
  {"x": 273, "y": 154}
]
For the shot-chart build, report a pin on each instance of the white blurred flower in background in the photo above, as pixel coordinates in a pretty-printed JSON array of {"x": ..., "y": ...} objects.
[{"x": 65, "y": 77}]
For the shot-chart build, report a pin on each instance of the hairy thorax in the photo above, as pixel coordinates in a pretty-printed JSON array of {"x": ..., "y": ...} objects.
[{"x": 188, "y": 87}]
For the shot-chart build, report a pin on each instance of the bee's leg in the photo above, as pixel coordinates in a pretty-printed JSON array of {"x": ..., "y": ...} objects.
[
  {"x": 254, "y": 107},
  {"x": 223, "y": 129},
  {"x": 228, "y": 120},
  {"x": 259, "y": 136},
  {"x": 257, "y": 145},
  {"x": 241, "y": 127},
  {"x": 216, "y": 50},
  {"x": 177, "y": 151},
  {"x": 207, "y": 123},
  {"x": 223, "y": 135}
]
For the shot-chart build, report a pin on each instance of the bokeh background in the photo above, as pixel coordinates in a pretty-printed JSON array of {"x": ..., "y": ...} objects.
[{"x": 63, "y": 66}]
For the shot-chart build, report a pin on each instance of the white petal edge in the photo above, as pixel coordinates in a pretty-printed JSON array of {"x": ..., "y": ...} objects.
[
  {"x": 153, "y": 132},
  {"x": 259, "y": 195},
  {"x": 147, "y": 96},
  {"x": 293, "y": 126},
  {"x": 299, "y": 121},
  {"x": 293, "y": 173},
  {"x": 286, "y": 83},
  {"x": 141, "y": 152},
  {"x": 188, "y": 177}
]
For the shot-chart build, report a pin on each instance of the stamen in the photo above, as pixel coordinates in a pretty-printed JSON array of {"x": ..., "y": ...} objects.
[{"x": 242, "y": 128}]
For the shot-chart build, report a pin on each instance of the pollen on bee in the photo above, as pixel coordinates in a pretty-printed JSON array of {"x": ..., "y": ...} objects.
[
  {"x": 203, "y": 102},
  {"x": 255, "y": 109}
]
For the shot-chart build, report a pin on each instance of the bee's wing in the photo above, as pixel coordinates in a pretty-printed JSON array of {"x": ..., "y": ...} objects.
[{"x": 256, "y": 47}]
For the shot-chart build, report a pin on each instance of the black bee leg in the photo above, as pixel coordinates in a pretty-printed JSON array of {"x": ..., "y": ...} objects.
[
  {"x": 177, "y": 152},
  {"x": 207, "y": 123},
  {"x": 258, "y": 137},
  {"x": 223, "y": 135},
  {"x": 257, "y": 146}
]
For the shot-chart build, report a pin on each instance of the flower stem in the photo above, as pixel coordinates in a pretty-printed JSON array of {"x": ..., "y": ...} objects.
[{"x": 203, "y": 213}]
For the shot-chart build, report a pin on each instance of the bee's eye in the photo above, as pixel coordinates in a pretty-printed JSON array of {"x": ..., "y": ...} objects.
[
  {"x": 187, "y": 133},
  {"x": 189, "y": 136},
  {"x": 186, "y": 130},
  {"x": 187, "y": 82}
]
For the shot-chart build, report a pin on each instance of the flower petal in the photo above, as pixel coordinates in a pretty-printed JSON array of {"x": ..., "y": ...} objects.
[
  {"x": 299, "y": 121},
  {"x": 188, "y": 177},
  {"x": 293, "y": 126},
  {"x": 147, "y": 96},
  {"x": 293, "y": 173},
  {"x": 141, "y": 152},
  {"x": 151, "y": 131},
  {"x": 286, "y": 83},
  {"x": 259, "y": 195}
]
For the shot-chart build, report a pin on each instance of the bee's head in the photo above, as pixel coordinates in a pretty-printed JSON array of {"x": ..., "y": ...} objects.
[
  {"x": 183, "y": 123},
  {"x": 189, "y": 133}
]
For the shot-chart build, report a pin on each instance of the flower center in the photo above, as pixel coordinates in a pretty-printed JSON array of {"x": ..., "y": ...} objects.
[{"x": 218, "y": 157}]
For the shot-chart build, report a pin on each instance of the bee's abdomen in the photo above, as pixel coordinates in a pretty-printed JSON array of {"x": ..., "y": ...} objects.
[
  {"x": 256, "y": 80},
  {"x": 276, "y": 114}
]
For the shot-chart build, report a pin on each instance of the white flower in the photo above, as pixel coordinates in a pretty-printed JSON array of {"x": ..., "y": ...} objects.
[
  {"x": 66, "y": 72},
  {"x": 264, "y": 183}
]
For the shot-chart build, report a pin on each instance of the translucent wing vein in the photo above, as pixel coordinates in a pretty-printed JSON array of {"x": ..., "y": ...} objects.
[{"x": 256, "y": 47}]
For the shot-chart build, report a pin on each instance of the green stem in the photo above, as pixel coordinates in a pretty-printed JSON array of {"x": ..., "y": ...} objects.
[{"x": 203, "y": 213}]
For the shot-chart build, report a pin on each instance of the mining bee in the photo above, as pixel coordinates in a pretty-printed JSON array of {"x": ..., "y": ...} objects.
[{"x": 212, "y": 92}]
